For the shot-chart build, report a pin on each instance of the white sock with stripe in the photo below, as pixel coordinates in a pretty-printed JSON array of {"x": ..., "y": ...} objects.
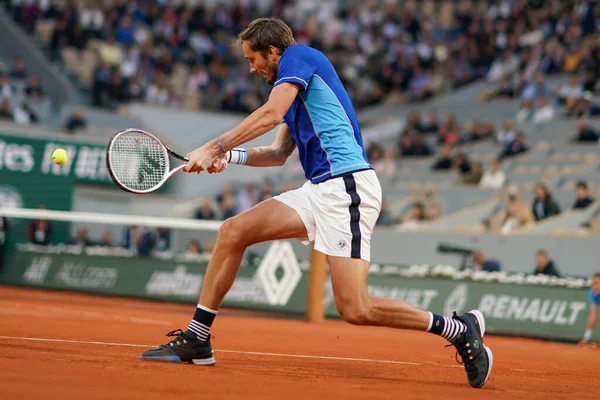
[{"x": 201, "y": 323}]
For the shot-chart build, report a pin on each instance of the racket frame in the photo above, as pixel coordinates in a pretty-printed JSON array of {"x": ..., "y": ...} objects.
[{"x": 167, "y": 151}]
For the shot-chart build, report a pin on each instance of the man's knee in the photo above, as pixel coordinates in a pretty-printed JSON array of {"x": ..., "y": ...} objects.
[
  {"x": 233, "y": 233},
  {"x": 354, "y": 311}
]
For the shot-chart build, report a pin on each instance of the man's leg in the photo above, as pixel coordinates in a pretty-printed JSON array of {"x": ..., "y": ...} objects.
[
  {"x": 349, "y": 281},
  {"x": 269, "y": 220}
]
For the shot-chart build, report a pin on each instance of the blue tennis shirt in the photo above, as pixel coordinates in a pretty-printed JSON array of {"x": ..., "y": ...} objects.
[
  {"x": 321, "y": 118},
  {"x": 594, "y": 298}
]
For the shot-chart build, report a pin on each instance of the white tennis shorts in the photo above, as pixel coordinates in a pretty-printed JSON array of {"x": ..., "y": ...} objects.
[{"x": 339, "y": 214}]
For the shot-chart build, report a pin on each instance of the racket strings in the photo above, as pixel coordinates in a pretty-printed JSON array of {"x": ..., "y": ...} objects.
[{"x": 138, "y": 161}]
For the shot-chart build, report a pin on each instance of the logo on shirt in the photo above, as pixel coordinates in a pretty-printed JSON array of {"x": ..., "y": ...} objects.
[{"x": 342, "y": 244}]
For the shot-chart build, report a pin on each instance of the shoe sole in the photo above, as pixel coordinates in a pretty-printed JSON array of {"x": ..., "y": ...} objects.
[
  {"x": 481, "y": 322},
  {"x": 176, "y": 360}
]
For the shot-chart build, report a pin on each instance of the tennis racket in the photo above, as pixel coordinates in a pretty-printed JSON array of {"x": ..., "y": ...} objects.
[{"x": 138, "y": 162}]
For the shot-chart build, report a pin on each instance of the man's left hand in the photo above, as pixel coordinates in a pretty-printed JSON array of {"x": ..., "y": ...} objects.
[{"x": 201, "y": 159}]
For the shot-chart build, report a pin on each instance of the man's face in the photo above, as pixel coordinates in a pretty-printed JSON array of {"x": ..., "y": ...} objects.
[
  {"x": 261, "y": 65},
  {"x": 541, "y": 260},
  {"x": 581, "y": 192}
]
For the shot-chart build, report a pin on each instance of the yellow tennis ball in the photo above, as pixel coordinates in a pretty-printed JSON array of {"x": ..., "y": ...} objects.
[{"x": 60, "y": 157}]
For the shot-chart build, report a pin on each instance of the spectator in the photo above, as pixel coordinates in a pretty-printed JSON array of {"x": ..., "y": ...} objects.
[
  {"x": 59, "y": 39},
  {"x": 33, "y": 90},
  {"x": 429, "y": 124},
  {"x": 414, "y": 147},
  {"x": 6, "y": 90},
  {"x": 414, "y": 220},
  {"x": 517, "y": 216},
  {"x": 525, "y": 112},
  {"x": 163, "y": 240},
  {"x": 517, "y": 147},
  {"x": 583, "y": 198},
  {"x": 77, "y": 39},
  {"x": 110, "y": 53},
  {"x": 538, "y": 88},
  {"x": 82, "y": 239},
  {"x": 205, "y": 212},
  {"x": 194, "y": 248},
  {"x": 543, "y": 205},
  {"x": 494, "y": 177},
  {"x": 570, "y": 93},
  {"x": 24, "y": 115},
  {"x": 544, "y": 113},
  {"x": 106, "y": 238},
  {"x": 544, "y": 265},
  {"x": 145, "y": 243},
  {"x": 506, "y": 64},
  {"x": 585, "y": 107},
  {"x": 386, "y": 166},
  {"x": 594, "y": 302},
  {"x": 227, "y": 206},
  {"x": 130, "y": 237},
  {"x": 506, "y": 91},
  {"x": 432, "y": 212},
  {"x": 462, "y": 164},
  {"x": 267, "y": 191},
  {"x": 226, "y": 191},
  {"x": 484, "y": 263},
  {"x": 444, "y": 161},
  {"x": 39, "y": 231},
  {"x": 247, "y": 198},
  {"x": 485, "y": 130},
  {"x": 76, "y": 122},
  {"x": 507, "y": 134},
  {"x": 474, "y": 176},
  {"x": 586, "y": 133},
  {"x": 125, "y": 33},
  {"x": 449, "y": 132},
  {"x": 18, "y": 70},
  {"x": 471, "y": 133},
  {"x": 5, "y": 111}
]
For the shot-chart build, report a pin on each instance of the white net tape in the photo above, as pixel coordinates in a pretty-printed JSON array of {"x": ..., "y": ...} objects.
[{"x": 138, "y": 161}]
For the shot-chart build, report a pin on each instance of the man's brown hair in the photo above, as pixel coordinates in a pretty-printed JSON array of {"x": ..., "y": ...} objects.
[{"x": 265, "y": 32}]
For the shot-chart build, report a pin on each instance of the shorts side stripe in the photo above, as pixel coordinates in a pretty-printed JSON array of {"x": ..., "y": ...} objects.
[{"x": 354, "y": 215}]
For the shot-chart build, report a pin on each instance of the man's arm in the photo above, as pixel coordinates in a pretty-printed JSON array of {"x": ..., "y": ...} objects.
[
  {"x": 210, "y": 156},
  {"x": 260, "y": 121},
  {"x": 277, "y": 153}
]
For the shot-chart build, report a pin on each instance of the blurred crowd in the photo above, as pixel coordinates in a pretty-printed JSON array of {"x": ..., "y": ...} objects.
[
  {"x": 18, "y": 89},
  {"x": 21, "y": 91},
  {"x": 392, "y": 51}
]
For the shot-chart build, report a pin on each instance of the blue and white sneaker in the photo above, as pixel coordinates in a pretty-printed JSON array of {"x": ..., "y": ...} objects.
[{"x": 476, "y": 357}]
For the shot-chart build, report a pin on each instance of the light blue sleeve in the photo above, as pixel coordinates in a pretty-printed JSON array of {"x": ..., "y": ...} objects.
[{"x": 594, "y": 298}]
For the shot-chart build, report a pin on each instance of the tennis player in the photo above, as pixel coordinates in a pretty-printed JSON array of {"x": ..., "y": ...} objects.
[
  {"x": 593, "y": 313},
  {"x": 336, "y": 208}
]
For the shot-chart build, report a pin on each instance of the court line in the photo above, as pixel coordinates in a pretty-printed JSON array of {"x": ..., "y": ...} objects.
[{"x": 258, "y": 353}]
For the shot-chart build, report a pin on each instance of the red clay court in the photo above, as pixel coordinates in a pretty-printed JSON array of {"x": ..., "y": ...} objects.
[{"x": 63, "y": 345}]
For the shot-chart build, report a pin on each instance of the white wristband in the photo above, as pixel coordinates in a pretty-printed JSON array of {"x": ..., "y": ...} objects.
[
  {"x": 588, "y": 334},
  {"x": 237, "y": 156}
]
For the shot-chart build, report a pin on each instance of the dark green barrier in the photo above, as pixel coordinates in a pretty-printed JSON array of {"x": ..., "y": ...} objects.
[
  {"x": 279, "y": 284},
  {"x": 29, "y": 177}
]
